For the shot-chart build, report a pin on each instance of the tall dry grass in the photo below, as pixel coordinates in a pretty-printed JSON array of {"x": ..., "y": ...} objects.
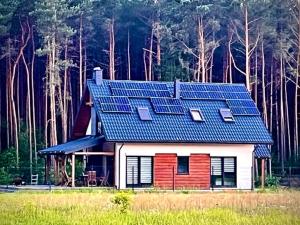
[{"x": 73, "y": 207}]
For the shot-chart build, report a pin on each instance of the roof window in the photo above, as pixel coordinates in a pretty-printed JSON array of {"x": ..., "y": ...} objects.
[
  {"x": 226, "y": 115},
  {"x": 144, "y": 113},
  {"x": 196, "y": 114}
]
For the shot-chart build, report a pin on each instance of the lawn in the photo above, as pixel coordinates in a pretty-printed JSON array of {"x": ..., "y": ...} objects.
[{"x": 97, "y": 207}]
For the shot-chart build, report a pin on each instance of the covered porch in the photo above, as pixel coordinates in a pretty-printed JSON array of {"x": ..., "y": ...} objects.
[
  {"x": 262, "y": 154},
  {"x": 96, "y": 167}
]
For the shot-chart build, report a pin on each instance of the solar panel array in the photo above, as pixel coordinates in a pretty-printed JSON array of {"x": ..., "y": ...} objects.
[
  {"x": 167, "y": 105},
  {"x": 139, "y": 89},
  {"x": 242, "y": 107},
  {"x": 213, "y": 92},
  {"x": 115, "y": 104}
]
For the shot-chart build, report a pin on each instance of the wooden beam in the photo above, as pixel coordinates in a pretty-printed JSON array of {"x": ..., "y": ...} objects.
[
  {"x": 73, "y": 170},
  {"x": 95, "y": 153},
  {"x": 263, "y": 173}
]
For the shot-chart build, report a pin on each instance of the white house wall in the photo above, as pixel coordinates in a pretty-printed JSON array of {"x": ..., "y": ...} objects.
[{"x": 243, "y": 153}]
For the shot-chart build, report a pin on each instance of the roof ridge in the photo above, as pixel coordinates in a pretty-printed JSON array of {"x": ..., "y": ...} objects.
[{"x": 182, "y": 82}]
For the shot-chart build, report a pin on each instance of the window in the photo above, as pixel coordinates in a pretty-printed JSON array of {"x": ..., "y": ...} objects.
[
  {"x": 144, "y": 113},
  {"x": 223, "y": 171},
  {"x": 182, "y": 164},
  {"x": 197, "y": 114},
  {"x": 138, "y": 171},
  {"x": 226, "y": 115}
]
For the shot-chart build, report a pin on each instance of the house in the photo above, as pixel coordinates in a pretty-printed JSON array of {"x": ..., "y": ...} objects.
[{"x": 169, "y": 135}]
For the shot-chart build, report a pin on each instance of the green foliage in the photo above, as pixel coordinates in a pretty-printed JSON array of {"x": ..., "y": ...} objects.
[
  {"x": 272, "y": 181},
  {"x": 122, "y": 200},
  {"x": 9, "y": 171},
  {"x": 5, "y": 177}
]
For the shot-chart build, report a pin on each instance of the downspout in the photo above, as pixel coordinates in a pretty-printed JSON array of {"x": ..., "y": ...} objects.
[{"x": 120, "y": 165}]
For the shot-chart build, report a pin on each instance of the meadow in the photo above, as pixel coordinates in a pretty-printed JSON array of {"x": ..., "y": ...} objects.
[{"x": 98, "y": 207}]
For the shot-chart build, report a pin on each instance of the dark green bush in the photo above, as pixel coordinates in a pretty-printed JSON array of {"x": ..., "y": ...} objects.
[
  {"x": 5, "y": 177},
  {"x": 272, "y": 181}
]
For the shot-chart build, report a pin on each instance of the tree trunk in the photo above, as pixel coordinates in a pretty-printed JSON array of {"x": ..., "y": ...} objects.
[
  {"x": 46, "y": 105},
  {"x": 128, "y": 55},
  {"x": 80, "y": 58},
  {"x": 256, "y": 80},
  {"x": 282, "y": 117},
  {"x": 33, "y": 98},
  {"x": 296, "y": 103},
  {"x": 52, "y": 82},
  {"x": 150, "y": 73},
  {"x": 64, "y": 107},
  {"x": 271, "y": 99},
  {"x": 145, "y": 65},
  {"x": 8, "y": 91},
  {"x": 201, "y": 46},
  {"x": 247, "y": 46},
  {"x": 111, "y": 50},
  {"x": 24, "y": 42},
  {"x": 158, "y": 53},
  {"x": 263, "y": 83},
  {"x": 287, "y": 119},
  {"x": 29, "y": 128}
]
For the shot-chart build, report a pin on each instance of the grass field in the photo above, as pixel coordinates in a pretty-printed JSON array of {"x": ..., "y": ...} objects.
[{"x": 96, "y": 207}]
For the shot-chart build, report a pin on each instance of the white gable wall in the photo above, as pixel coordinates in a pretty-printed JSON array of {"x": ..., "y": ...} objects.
[
  {"x": 243, "y": 153},
  {"x": 89, "y": 129}
]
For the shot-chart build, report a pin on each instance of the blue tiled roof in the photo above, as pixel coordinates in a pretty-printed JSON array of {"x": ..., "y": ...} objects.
[
  {"x": 262, "y": 151},
  {"x": 127, "y": 127},
  {"x": 73, "y": 146}
]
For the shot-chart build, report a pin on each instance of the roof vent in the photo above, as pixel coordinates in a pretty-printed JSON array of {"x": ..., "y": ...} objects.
[
  {"x": 226, "y": 115},
  {"x": 177, "y": 88},
  {"x": 98, "y": 75}
]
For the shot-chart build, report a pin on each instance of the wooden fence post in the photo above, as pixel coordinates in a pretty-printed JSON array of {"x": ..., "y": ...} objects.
[
  {"x": 263, "y": 173},
  {"x": 73, "y": 170},
  {"x": 173, "y": 178}
]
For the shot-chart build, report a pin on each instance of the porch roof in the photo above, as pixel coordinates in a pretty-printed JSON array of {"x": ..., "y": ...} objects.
[
  {"x": 262, "y": 152},
  {"x": 72, "y": 146}
]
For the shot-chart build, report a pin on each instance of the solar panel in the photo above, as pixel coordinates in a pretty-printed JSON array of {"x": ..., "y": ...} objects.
[
  {"x": 167, "y": 105},
  {"x": 230, "y": 95},
  {"x": 115, "y": 104},
  {"x": 118, "y": 92},
  {"x": 139, "y": 89},
  {"x": 212, "y": 88},
  {"x": 202, "y": 95},
  {"x": 216, "y": 95},
  {"x": 243, "y": 95},
  {"x": 187, "y": 94},
  {"x": 245, "y": 111},
  {"x": 242, "y": 107},
  {"x": 241, "y": 103},
  {"x": 238, "y": 110},
  {"x": 252, "y": 111},
  {"x": 117, "y": 85}
]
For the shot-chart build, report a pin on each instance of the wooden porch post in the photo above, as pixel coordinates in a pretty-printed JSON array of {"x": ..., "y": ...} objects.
[
  {"x": 270, "y": 167},
  {"x": 47, "y": 171},
  {"x": 56, "y": 169},
  {"x": 263, "y": 173},
  {"x": 73, "y": 170}
]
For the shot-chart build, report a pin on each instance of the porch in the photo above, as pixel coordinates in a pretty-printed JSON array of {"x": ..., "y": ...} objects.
[{"x": 92, "y": 154}]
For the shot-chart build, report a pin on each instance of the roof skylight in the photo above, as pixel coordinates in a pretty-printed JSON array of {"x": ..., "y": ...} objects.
[
  {"x": 144, "y": 113},
  {"x": 196, "y": 114},
  {"x": 226, "y": 115}
]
